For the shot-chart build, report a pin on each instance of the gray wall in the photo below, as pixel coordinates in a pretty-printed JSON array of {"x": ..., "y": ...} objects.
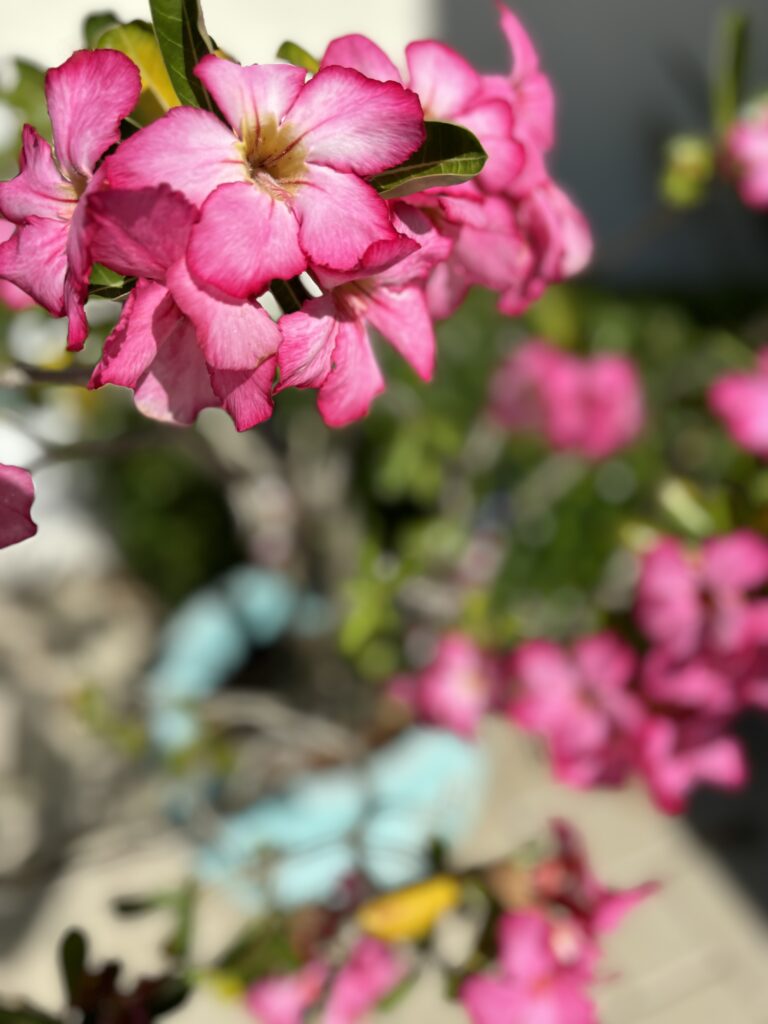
[{"x": 628, "y": 73}]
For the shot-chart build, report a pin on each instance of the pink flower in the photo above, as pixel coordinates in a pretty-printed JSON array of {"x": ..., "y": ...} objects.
[
  {"x": 10, "y": 296},
  {"x": 286, "y": 999},
  {"x": 180, "y": 344},
  {"x": 450, "y": 89},
  {"x": 580, "y": 703},
  {"x": 567, "y": 880},
  {"x": 326, "y": 345},
  {"x": 741, "y": 402},
  {"x": 746, "y": 155},
  {"x": 676, "y": 756},
  {"x": 514, "y": 230},
  {"x": 591, "y": 406},
  {"x": 282, "y": 186},
  {"x": 691, "y": 602},
  {"x": 17, "y": 493},
  {"x": 47, "y": 257},
  {"x": 370, "y": 973},
  {"x": 545, "y": 969},
  {"x": 455, "y": 690}
]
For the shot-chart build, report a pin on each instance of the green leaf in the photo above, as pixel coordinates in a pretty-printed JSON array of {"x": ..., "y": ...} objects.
[
  {"x": 27, "y": 96},
  {"x": 72, "y": 954},
  {"x": 728, "y": 80},
  {"x": 164, "y": 995},
  {"x": 137, "y": 41},
  {"x": 106, "y": 284},
  {"x": 297, "y": 55},
  {"x": 183, "y": 40},
  {"x": 450, "y": 155},
  {"x": 95, "y": 25}
]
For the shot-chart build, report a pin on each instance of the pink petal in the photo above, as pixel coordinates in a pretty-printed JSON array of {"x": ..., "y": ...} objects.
[
  {"x": 233, "y": 334},
  {"x": 190, "y": 150},
  {"x": 38, "y": 190},
  {"x": 492, "y": 123},
  {"x": 177, "y": 385},
  {"x": 79, "y": 264},
  {"x": 88, "y": 97},
  {"x": 433, "y": 248},
  {"x": 741, "y": 401},
  {"x": 148, "y": 317},
  {"x": 402, "y": 316},
  {"x": 246, "y": 394},
  {"x": 17, "y": 492},
  {"x": 524, "y": 948},
  {"x": 249, "y": 96},
  {"x": 35, "y": 260},
  {"x": 10, "y": 296},
  {"x": 305, "y": 356},
  {"x": 446, "y": 83},
  {"x": 605, "y": 661},
  {"x": 140, "y": 232},
  {"x": 738, "y": 561},
  {"x": 371, "y": 971},
  {"x": 340, "y": 216},
  {"x": 244, "y": 239},
  {"x": 524, "y": 56},
  {"x": 358, "y": 52},
  {"x": 352, "y": 123},
  {"x": 285, "y": 999},
  {"x": 355, "y": 380}
]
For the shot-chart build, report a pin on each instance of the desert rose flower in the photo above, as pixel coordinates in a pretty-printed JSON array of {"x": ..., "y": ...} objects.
[
  {"x": 745, "y": 154},
  {"x": 580, "y": 703},
  {"x": 545, "y": 969},
  {"x": 47, "y": 257},
  {"x": 281, "y": 184},
  {"x": 591, "y": 406},
  {"x": 285, "y": 999},
  {"x": 371, "y": 972},
  {"x": 741, "y": 402},
  {"x": 17, "y": 493},
  {"x": 326, "y": 345},
  {"x": 455, "y": 690},
  {"x": 567, "y": 880},
  {"x": 180, "y": 344},
  {"x": 514, "y": 230},
  {"x": 676, "y": 756},
  {"x": 694, "y": 601}
]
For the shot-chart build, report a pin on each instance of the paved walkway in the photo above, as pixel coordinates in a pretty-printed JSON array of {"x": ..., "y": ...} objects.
[{"x": 696, "y": 954}]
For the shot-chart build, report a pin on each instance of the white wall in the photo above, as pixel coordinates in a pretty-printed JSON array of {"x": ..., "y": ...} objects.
[{"x": 48, "y": 30}]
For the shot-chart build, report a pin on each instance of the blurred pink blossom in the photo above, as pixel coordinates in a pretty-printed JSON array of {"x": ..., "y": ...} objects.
[
  {"x": 371, "y": 972},
  {"x": 745, "y": 153},
  {"x": 694, "y": 601},
  {"x": 567, "y": 880},
  {"x": 580, "y": 702},
  {"x": 455, "y": 690},
  {"x": 677, "y": 755},
  {"x": 286, "y": 999},
  {"x": 545, "y": 968},
  {"x": 741, "y": 402},
  {"x": 593, "y": 406}
]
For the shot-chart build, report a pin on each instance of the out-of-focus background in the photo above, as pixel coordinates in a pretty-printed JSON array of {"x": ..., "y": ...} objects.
[{"x": 89, "y": 608}]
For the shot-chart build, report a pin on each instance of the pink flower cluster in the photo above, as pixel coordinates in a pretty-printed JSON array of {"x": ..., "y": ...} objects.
[
  {"x": 592, "y": 406},
  {"x": 208, "y": 211},
  {"x": 740, "y": 400},
  {"x": 745, "y": 155},
  {"x": 371, "y": 972},
  {"x": 603, "y": 711},
  {"x": 548, "y": 954}
]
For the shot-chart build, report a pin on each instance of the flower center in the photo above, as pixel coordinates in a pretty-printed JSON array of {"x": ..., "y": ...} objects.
[{"x": 275, "y": 158}]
